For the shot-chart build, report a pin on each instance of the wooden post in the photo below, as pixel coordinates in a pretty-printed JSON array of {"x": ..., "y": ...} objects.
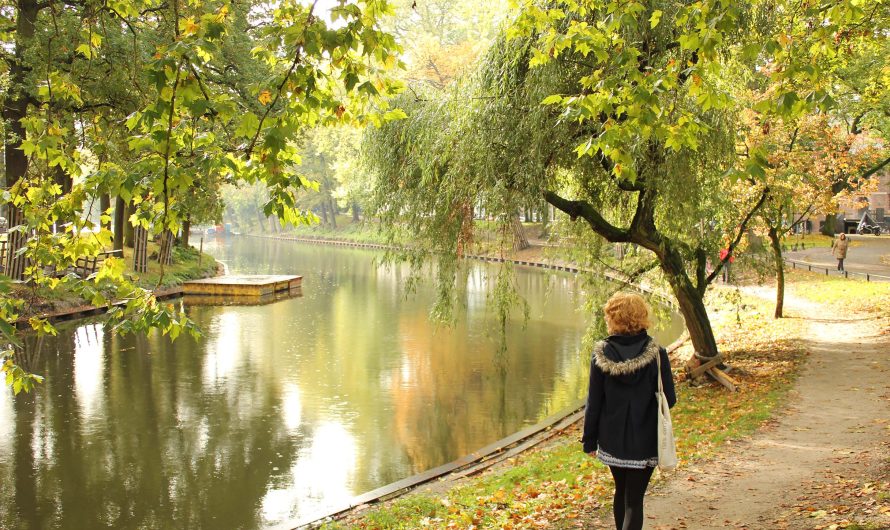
[
  {"x": 15, "y": 262},
  {"x": 165, "y": 252},
  {"x": 721, "y": 377},
  {"x": 140, "y": 249}
]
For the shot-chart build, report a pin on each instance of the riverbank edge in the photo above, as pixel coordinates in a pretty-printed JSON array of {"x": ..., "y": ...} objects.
[
  {"x": 88, "y": 310},
  {"x": 487, "y": 456},
  {"x": 465, "y": 466},
  {"x": 662, "y": 296}
]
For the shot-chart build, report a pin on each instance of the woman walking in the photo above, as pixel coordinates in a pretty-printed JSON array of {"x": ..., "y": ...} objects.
[
  {"x": 840, "y": 250},
  {"x": 620, "y": 421}
]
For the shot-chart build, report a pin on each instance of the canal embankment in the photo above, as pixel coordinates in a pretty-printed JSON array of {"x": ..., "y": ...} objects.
[
  {"x": 534, "y": 256},
  {"x": 63, "y": 303}
]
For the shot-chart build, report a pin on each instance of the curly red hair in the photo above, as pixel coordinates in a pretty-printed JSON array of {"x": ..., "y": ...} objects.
[{"x": 626, "y": 314}]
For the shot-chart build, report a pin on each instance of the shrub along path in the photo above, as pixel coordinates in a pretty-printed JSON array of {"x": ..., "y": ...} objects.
[{"x": 823, "y": 463}]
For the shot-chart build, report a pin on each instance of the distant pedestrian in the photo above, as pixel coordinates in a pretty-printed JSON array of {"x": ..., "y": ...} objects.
[
  {"x": 840, "y": 250},
  {"x": 727, "y": 264},
  {"x": 621, "y": 416}
]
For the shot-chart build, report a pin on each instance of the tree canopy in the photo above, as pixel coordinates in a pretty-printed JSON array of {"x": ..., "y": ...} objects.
[
  {"x": 154, "y": 101},
  {"x": 625, "y": 115}
]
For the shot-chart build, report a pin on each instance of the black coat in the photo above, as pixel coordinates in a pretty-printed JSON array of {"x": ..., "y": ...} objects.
[{"x": 621, "y": 411}]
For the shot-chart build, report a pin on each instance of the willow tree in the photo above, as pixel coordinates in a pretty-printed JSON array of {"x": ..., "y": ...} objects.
[{"x": 619, "y": 114}]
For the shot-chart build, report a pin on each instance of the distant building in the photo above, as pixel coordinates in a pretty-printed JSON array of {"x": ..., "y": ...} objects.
[{"x": 875, "y": 204}]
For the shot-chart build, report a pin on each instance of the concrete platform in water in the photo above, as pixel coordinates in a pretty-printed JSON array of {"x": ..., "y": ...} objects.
[
  {"x": 217, "y": 300},
  {"x": 243, "y": 285}
]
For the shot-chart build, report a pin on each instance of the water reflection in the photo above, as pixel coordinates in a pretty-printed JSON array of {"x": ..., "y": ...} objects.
[
  {"x": 281, "y": 409},
  {"x": 89, "y": 370}
]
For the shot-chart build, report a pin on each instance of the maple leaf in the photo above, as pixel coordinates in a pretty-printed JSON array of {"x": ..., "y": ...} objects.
[
  {"x": 191, "y": 27},
  {"x": 265, "y": 97}
]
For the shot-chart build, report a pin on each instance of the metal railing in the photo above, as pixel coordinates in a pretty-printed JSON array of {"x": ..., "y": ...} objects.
[{"x": 869, "y": 277}]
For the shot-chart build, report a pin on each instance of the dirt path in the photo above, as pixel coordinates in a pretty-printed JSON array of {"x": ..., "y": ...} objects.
[{"x": 798, "y": 471}]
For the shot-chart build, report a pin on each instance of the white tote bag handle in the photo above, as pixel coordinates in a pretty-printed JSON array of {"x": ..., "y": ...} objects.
[{"x": 667, "y": 448}]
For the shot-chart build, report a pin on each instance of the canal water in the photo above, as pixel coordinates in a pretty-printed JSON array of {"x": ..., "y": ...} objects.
[{"x": 281, "y": 410}]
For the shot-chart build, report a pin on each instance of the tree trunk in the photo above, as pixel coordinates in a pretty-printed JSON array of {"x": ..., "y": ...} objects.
[
  {"x": 324, "y": 213},
  {"x": 355, "y": 212},
  {"x": 120, "y": 208},
  {"x": 333, "y": 207},
  {"x": 129, "y": 229},
  {"x": 186, "y": 231},
  {"x": 15, "y": 265},
  {"x": 643, "y": 232},
  {"x": 15, "y": 108},
  {"x": 828, "y": 228},
  {"x": 262, "y": 221},
  {"x": 545, "y": 220},
  {"x": 64, "y": 180},
  {"x": 520, "y": 240},
  {"x": 776, "y": 245},
  {"x": 105, "y": 205},
  {"x": 692, "y": 305},
  {"x": 140, "y": 249}
]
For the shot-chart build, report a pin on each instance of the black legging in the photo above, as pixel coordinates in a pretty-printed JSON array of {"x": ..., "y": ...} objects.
[{"x": 630, "y": 487}]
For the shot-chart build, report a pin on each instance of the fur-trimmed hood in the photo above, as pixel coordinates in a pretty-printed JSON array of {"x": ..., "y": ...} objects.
[{"x": 624, "y": 367}]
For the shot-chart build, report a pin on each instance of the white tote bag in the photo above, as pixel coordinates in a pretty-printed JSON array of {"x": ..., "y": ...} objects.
[{"x": 667, "y": 449}]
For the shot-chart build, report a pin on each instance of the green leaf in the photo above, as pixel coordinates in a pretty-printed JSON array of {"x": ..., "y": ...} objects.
[
  {"x": 85, "y": 50},
  {"x": 552, "y": 100},
  {"x": 247, "y": 125},
  {"x": 395, "y": 114},
  {"x": 655, "y": 18}
]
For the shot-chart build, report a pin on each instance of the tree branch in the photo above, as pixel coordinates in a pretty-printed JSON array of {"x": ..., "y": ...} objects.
[
  {"x": 875, "y": 169},
  {"x": 799, "y": 219},
  {"x": 742, "y": 227},
  {"x": 586, "y": 211},
  {"x": 297, "y": 56}
]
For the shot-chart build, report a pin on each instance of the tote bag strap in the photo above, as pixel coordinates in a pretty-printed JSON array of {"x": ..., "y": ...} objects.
[{"x": 658, "y": 364}]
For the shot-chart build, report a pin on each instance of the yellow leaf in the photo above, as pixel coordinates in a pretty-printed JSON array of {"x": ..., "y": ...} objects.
[
  {"x": 191, "y": 26},
  {"x": 265, "y": 97}
]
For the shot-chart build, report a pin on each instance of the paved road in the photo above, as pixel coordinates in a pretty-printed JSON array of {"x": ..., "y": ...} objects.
[{"x": 864, "y": 255}]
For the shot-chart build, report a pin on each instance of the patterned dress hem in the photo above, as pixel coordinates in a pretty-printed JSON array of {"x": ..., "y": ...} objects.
[{"x": 610, "y": 460}]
